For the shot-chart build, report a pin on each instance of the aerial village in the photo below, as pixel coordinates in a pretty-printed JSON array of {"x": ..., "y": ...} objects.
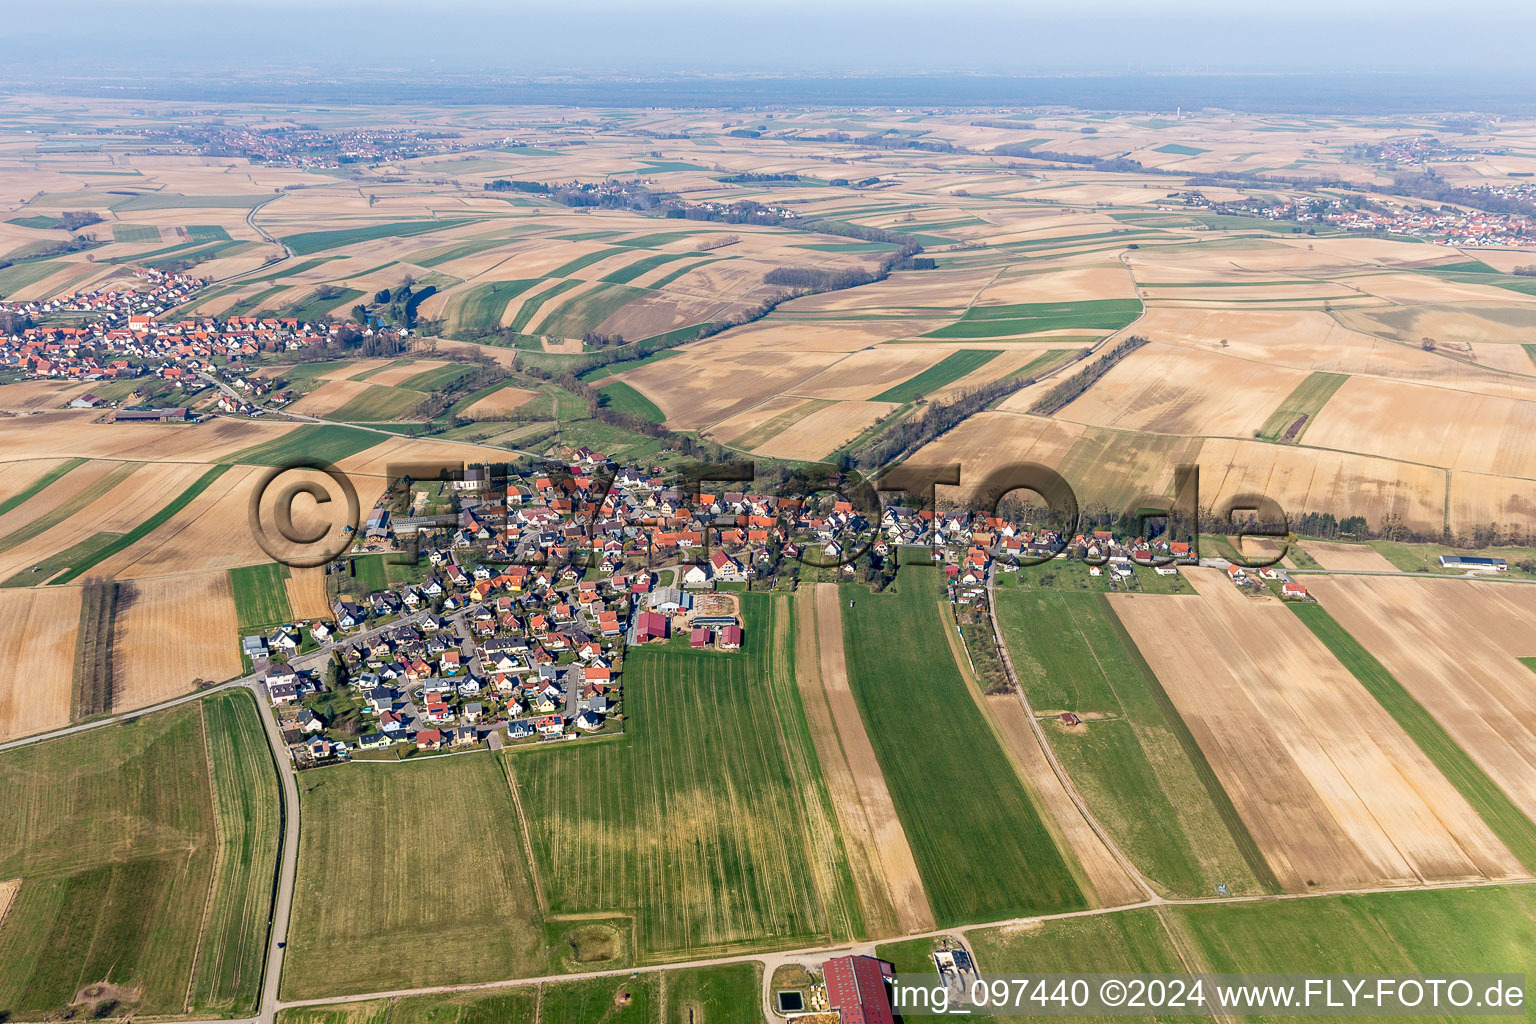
[
  {"x": 522, "y": 586},
  {"x": 124, "y": 339},
  {"x": 1444, "y": 225}
]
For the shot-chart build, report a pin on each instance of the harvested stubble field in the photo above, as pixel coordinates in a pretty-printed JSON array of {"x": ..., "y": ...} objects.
[
  {"x": 171, "y": 632},
  {"x": 1464, "y": 663},
  {"x": 1333, "y": 790},
  {"x": 77, "y": 434},
  {"x": 1131, "y": 757},
  {"x": 824, "y": 430},
  {"x": 1118, "y": 468},
  {"x": 710, "y": 821},
  {"x": 1347, "y": 557},
  {"x": 987, "y": 855},
  {"x": 369, "y": 819},
  {"x": 1172, "y": 390},
  {"x": 212, "y": 531},
  {"x": 38, "y": 657},
  {"x": 500, "y": 402},
  {"x": 116, "y": 847},
  {"x": 306, "y": 593}
]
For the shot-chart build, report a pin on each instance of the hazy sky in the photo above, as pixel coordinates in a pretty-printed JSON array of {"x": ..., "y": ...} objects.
[{"x": 795, "y": 36}]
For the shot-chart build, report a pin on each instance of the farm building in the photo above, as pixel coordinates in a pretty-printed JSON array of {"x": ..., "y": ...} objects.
[
  {"x": 856, "y": 989},
  {"x": 668, "y": 600},
  {"x": 1473, "y": 562},
  {"x": 151, "y": 416},
  {"x": 730, "y": 638},
  {"x": 700, "y": 638},
  {"x": 650, "y": 626},
  {"x": 1293, "y": 591}
]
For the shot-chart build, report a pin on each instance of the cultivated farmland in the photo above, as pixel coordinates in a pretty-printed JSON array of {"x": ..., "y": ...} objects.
[
  {"x": 37, "y": 659},
  {"x": 1463, "y": 665},
  {"x": 884, "y": 872},
  {"x": 371, "y": 818},
  {"x": 232, "y": 950},
  {"x": 170, "y": 633},
  {"x": 116, "y": 847},
  {"x": 710, "y": 820},
  {"x": 1333, "y": 797},
  {"x": 988, "y": 854},
  {"x": 261, "y": 595},
  {"x": 1130, "y": 755}
]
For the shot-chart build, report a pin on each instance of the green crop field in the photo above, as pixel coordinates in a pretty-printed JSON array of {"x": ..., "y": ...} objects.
[
  {"x": 1512, "y": 827},
  {"x": 111, "y": 544},
  {"x": 438, "y": 256},
  {"x": 660, "y": 238},
  {"x": 666, "y": 279},
  {"x": 137, "y": 233},
  {"x": 39, "y": 221},
  {"x": 233, "y": 950},
  {"x": 368, "y": 574},
  {"x": 324, "y": 441},
  {"x": 307, "y": 242},
  {"x": 634, "y": 1000},
  {"x": 1302, "y": 404},
  {"x": 113, "y": 835},
  {"x": 20, "y": 275},
  {"x": 946, "y": 371},
  {"x": 648, "y": 263},
  {"x": 43, "y": 569},
  {"x": 1126, "y": 757},
  {"x": 1484, "y": 929},
  {"x": 377, "y": 403},
  {"x": 710, "y": 821},
  {"x": 582, "y": 262},
  {"x": 585, "y": 312},
  {"x": 395, "y": 890},
  {"x": 261, "y": 598},
  {"x": 977, "y": 837},
  {"x": 1430, "y": 933},
  {"x": 69, "y": 507},
  {"x": 1033, "y": 317},
  {"x": 41, "y": 484},
  {"x": 1178, "y": 150},
  {"x": 440, "y": 378},
  {"x": 315, "y": 307},
  {"x": 729, "y": 994},
  {"x": 625, "y": 399},
  {"x": 531, "y": 304},
  {"x": 207, "y": 233},
  {"x": 480, "y": 306},
  {"x": 609, "y": 369}
]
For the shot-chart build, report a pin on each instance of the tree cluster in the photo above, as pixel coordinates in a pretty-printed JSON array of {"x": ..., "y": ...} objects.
[{"x": 1063, "y": 394}]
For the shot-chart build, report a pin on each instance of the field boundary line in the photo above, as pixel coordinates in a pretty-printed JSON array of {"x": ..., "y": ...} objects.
[
  {"x": 1126, "y": 864},
  {"x": 812, "y": 793},
  {"x": 851, "y": 816},
  {"x": 510, "y": 775},
  {"x": 1225, "y": 808},
  {"x": 978, "y": 696}
]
